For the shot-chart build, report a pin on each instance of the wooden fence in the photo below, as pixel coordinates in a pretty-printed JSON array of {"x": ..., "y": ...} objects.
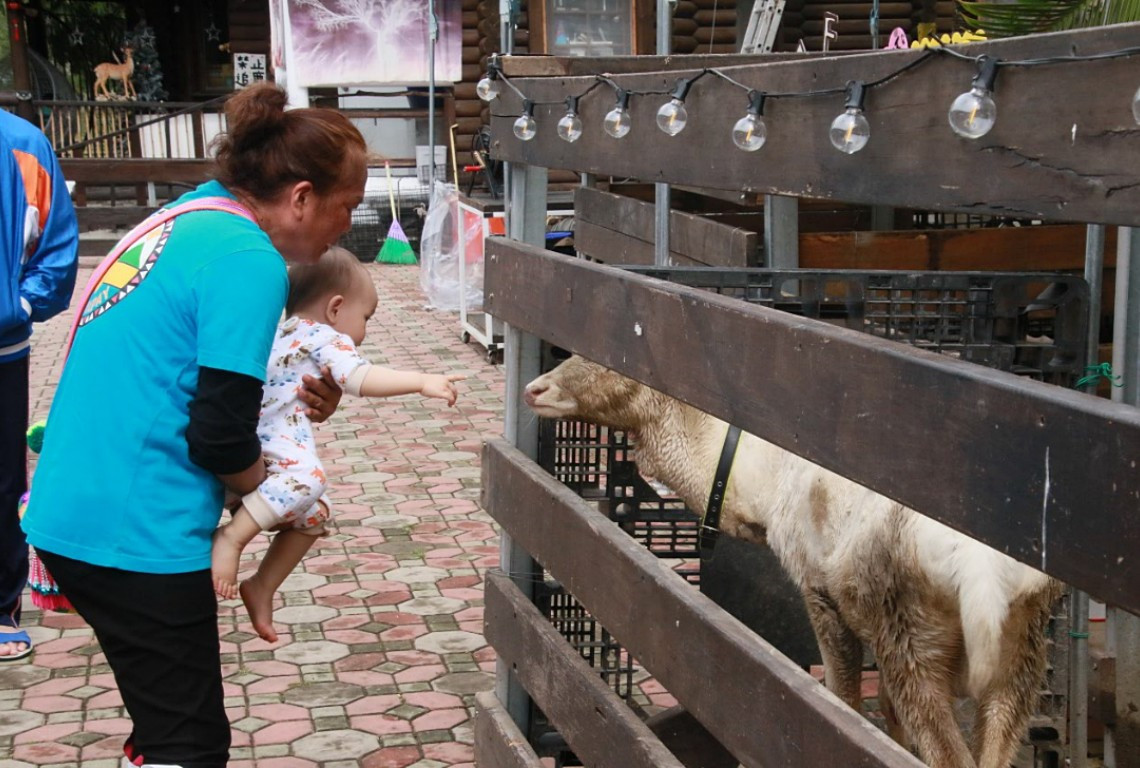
[{"x": 1045, "y": 474}]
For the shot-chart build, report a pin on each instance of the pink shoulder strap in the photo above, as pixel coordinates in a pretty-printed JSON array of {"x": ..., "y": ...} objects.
[{"x": 224, "y": 204}]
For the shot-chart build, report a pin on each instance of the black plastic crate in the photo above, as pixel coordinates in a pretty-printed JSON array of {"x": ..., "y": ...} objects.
[{"x": 1031, "y": 324}]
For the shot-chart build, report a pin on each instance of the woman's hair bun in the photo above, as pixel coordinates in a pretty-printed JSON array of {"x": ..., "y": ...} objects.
[{"x": 255, "y": 114}]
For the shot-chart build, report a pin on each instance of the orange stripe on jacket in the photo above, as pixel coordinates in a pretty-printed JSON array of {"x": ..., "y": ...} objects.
[{"x": 37, "y": 183}]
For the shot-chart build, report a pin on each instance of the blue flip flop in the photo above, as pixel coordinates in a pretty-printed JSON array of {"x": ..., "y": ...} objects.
[{"x": 16, "y": 637}]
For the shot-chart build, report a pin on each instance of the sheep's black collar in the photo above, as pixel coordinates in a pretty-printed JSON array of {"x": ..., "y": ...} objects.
[{"x": 710, "y": 522}]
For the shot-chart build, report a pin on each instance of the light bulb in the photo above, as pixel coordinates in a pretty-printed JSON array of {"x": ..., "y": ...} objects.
[
  {"x": 750, "y": 132},
  {"x": 488, "y": 88},
  {"x": 570, "y": 127},
  {"x": 973, "y": 113},
  {"x": 1136, "y": 106},
  {"x": 525, "y": 127},
  {"x": 850, "y": 131},
  {"x": 672, "y": 117},
  {"x": 617, "y": 121}
]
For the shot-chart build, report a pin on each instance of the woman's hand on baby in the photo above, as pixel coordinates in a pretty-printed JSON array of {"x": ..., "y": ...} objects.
[
  {"x": 321, "y": 395},
  {"x": 442, "y": 386}
]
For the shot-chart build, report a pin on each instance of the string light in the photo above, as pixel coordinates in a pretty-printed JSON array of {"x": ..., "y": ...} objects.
[
  {"x": 851, "y": 131},
  {"x": 750, "y": 131},
  {"x": 974, "y": 113},
  {"x": 618, "y": 122},
  {"x": 488, "y": 87},
  {"x": 525, "y": 127},
  {"x": 672, "y": 117},
  {"x": 570, "y": 126}
]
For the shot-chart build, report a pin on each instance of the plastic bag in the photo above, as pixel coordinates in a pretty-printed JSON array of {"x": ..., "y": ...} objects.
[{"x": 444, "y": 241}]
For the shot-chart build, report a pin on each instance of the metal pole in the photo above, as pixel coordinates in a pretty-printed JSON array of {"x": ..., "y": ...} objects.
[
  {"x": 433, "y": 31},
  {"x": 662, "y": 198},
  {"x": 526, "y": 221},
  {"x": 1122, "y": 741},
  {"x": 1079, "y": 604}
]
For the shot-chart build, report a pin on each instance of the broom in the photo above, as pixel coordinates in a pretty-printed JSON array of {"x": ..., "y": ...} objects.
[{"x": 396, "y": 248}]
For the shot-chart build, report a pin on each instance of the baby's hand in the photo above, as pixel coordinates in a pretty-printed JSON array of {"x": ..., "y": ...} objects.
[{"x": 441, "y": 386}]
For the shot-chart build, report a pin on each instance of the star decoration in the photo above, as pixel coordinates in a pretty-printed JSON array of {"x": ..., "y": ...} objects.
[
  {"x": 146, "y": 38},
  {"x": 213, "y": 33},
  {"x": 76, "y": 36}
]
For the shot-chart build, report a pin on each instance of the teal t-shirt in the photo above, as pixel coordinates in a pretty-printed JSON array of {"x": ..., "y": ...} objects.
[{"x": 115, "y": 485}]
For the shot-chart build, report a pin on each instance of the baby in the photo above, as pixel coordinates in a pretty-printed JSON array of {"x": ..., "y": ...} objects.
[{"x": 328, "y": 307}]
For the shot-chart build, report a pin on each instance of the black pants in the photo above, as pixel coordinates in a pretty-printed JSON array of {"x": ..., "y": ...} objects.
[
  {"x": 13, "y": 483},
  {"x": 160, "y": 635}
]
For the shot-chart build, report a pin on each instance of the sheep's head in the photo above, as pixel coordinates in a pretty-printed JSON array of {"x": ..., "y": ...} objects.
[{"x": 580, "y": 389}]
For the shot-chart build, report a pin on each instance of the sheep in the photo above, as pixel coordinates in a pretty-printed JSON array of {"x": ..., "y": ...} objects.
[{"x": 945, "y": 616}]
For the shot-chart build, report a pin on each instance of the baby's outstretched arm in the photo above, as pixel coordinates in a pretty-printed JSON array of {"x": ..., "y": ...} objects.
[{"x": 386, "y": 382}]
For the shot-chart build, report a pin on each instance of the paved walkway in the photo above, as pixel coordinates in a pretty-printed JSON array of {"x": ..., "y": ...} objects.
[{"x": 381, "y": 647}]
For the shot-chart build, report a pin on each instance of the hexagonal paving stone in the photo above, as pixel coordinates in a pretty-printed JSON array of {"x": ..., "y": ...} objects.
[
  {"x": 303, "y": 582},
  {"x": 13, "y": 722},
  {"x": 465, "y": 682},
  {"x": 416, "y": 575},
  {"x": 450, "y": 642},
  {"x": 336, "y": 745},
  {"x": 323, "y": 694},
  {"x": 432, "y": 606},
  {"x": 304, "y": 614},
  {"x": 315, "y": 652}
]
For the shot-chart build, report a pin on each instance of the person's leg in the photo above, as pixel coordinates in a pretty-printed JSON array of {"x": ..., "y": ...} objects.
[
  {"x": 13, "y": 483},
  {"x": 225, "y": 556},
  {"x": 160, "y": 635},
  {"x": 286, "y": 550}
]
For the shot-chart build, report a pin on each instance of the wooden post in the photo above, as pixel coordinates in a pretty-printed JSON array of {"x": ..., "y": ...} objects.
[
  {"x": 781, "y": 232},
  {"x": 21, "y": 70}
]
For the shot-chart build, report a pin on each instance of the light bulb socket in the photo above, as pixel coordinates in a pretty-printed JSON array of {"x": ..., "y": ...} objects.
[
  {"x": 681, "y": 89},
  {"x": 528, "y": 108},
  {"x": 756, "y": 103},
  {"x": 622, "y": 96},
  {"x": 856, "y": 90},
  {"x": 572, "y": 104},
  {"x": 493, "y": 66},
  {"x": 987, "y": 73}
]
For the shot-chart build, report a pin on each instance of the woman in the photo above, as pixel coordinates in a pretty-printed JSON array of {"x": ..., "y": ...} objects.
[{"x": 157, "y": 408}]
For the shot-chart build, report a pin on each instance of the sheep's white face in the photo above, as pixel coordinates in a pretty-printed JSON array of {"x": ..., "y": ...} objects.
[{"x": 580, "y": 389}]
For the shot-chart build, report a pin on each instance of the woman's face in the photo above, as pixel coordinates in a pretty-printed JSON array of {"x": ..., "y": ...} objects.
[{"x": 316, "y": 220}]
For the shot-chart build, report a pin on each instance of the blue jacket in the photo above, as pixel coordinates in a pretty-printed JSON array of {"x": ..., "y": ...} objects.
[{"x": 39, "y": 236}]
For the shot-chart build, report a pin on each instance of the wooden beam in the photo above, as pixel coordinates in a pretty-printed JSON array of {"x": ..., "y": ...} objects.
[
  {"x": 1044, "y": 474},
  {"x": 690, "y": 741},
  {"x": 120, "y": 171},
  {"x": 1060, "y": 151},
  {"x": 758, "y": 704},
  {"x": 498, "y": 741},
  {"x": 576, "y": 66},
  {"x": 597, "y": 725},
  {"x": 623, "y": 227}
]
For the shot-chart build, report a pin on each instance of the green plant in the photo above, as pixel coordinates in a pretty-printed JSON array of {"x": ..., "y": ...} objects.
[{"x": 1002, "y": 18}]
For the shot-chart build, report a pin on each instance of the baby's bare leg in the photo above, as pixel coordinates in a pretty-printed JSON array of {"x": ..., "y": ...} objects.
[
  {"x": 229, "y": 541},
  {"x": 285, "y": 551}
]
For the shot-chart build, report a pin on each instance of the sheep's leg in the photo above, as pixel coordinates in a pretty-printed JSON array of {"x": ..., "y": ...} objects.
[
  {"x": 1004, "y": 708},
  {"x": 894, "y": 726},
  {"x": 922, "y": 697},
  {"x": 841, "y": 650}
]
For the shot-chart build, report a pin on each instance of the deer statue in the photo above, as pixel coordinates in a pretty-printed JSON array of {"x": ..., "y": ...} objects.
[{"x": 116, "y": 71}]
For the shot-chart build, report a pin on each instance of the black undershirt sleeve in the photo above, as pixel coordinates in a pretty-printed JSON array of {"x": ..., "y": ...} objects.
[{"x": 222, "y": 435}]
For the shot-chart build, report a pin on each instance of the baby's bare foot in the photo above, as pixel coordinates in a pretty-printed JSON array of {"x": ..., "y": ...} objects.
[
  {"x": 259, "y": 602},
  {"x": 224, "y": 558}
]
